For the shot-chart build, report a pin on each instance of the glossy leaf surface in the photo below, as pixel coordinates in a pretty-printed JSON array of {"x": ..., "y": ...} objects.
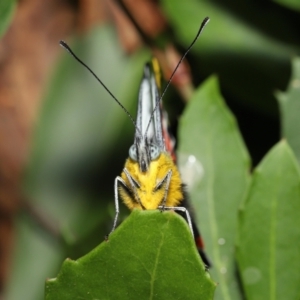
[
  {"x": 209, "y": 132},
  {"x": 269, "y": 228}
]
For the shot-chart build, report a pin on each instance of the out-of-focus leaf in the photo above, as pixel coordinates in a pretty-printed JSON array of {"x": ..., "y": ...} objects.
[
  {"x": 79, "y": 126},
  {"x": 293, "y": 4},
  {"x": 269, "y": 229},
  {"x": 249, "y": 60},
  {"x": 150, "y": 256},
  {"x": 209, "y": 132},
  {"x": 290, "y": 108},
  {"x": 35, "y": 258},
  {"x": 7, "y": 8},
  {"x": 74, "y": 158}
]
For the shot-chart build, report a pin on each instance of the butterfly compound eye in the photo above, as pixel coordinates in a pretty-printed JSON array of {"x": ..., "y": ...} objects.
[
  {"x": 154, "y": 152},
  {"x": 133, "y": 153}
]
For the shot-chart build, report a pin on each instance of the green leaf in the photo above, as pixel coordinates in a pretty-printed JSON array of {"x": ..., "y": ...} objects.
[
  {"x": 248, "y": 54},
  {"x": 293, "y": 4},
  {"x": 7, "y": 9},
  {"x": 150, "y": 256},
  {"x": 289, "y": 108},
  {"x": 269, "y": 229},
  {"x": 209, "y": 132}
]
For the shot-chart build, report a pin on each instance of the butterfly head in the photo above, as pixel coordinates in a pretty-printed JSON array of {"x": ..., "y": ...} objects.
[{"x": 144, "y": 151}]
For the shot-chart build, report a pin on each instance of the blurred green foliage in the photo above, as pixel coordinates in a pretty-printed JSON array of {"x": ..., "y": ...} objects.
[
  {"x": 82, "y": 140},
  {"x": 7, "y": 8},
  {"x": 289, "y": 108}
]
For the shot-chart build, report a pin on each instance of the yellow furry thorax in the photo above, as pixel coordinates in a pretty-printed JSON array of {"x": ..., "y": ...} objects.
[{"x": 148, "y": 180}]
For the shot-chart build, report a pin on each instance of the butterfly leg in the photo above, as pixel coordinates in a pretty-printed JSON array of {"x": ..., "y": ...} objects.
[
  {"x": 184, "y": 210},
  {"x": 118, "y": 181},
  {"x": 134, "y": 186},
  {"x": 166, "y": 180}
]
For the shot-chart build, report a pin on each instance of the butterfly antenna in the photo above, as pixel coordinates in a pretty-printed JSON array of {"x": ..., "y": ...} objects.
[
  {"x": 66, "y": 47},
  {"x": 203, "y": 24}
]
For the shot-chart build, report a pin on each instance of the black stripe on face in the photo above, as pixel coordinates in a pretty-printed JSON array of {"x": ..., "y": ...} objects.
[{"x": 143, "y": 155}]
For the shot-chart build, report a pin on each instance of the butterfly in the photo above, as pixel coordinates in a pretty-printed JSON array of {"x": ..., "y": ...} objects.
[{"x": 150, "y": 178}]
